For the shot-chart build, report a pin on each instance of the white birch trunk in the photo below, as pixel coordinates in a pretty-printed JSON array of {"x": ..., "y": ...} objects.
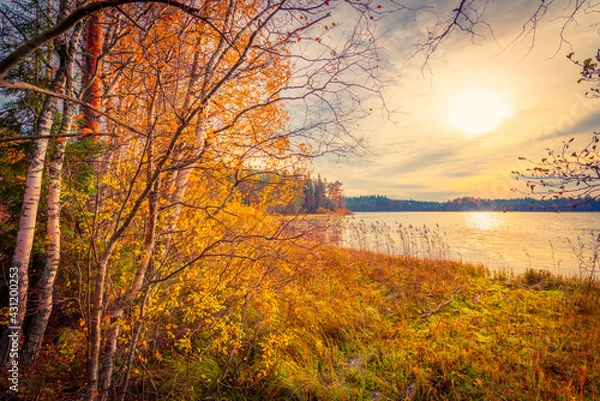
[
  {"x": 45, "y": 287},
  {"x": 31, "y": 201},
  {"x": 46, "y": 284}
]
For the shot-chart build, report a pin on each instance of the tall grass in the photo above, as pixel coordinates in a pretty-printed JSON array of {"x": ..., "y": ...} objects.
[
  {"x": 360, "y": 325},
  {"x": 404, "y": 240},
  {"x": 432, "y": 243},
  {"x": 380, "y": 327}
]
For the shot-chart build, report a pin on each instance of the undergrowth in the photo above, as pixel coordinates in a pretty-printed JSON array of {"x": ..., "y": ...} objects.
[
  {"x": 381, "y": 328},
  {"x": 357, "y": 325}
]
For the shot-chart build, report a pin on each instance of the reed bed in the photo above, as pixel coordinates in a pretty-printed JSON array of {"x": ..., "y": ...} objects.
[{"x": 399, "y": 240}]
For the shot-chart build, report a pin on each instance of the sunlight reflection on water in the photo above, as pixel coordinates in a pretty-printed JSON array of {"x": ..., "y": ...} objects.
[
  {"x": 512, "y": 241},
  {"x": 482, "y": 220}
]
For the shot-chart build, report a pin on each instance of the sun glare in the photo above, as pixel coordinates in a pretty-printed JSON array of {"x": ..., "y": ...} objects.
[
  {"x": 477, "y": 111},
  {"x": 482, "y": 220}
]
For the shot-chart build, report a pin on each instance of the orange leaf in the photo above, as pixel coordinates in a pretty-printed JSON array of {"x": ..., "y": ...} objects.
[{"x": 86, "y": 131}]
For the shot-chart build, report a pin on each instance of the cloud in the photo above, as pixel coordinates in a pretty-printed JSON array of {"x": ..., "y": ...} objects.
[
  {"x": 420, "y": 156},
  {"x": 585, "y": 126}
]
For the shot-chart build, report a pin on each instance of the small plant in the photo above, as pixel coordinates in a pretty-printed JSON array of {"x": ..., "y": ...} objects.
[
  {"x": 537, "y": 278},
  {"x": 586, "y": 255}
]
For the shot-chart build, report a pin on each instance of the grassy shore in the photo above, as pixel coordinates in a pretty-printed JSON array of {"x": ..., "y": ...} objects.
[
  {"x": 357, "y": 325},
  {"x": 380, "y": 328}
]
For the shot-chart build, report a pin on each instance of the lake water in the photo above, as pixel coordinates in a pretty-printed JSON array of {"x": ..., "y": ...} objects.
[{"x": 514, "y": 241}]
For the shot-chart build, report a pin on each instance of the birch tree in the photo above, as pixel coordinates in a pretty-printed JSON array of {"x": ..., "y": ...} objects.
[
  {"x": 44, "y": 295},
  {"x": 33, "y": 182}
]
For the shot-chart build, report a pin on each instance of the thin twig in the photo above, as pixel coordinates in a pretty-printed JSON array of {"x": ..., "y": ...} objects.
[{"x": 441, "y": 305}]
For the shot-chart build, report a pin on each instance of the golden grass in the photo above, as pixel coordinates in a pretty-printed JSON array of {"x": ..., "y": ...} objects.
[
  {"x": 369, "y": 326},
  {"x": 357, "y": 325}
]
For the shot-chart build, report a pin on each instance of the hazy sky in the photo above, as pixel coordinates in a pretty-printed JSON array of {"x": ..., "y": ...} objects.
[{"x": 459, "y": 127}]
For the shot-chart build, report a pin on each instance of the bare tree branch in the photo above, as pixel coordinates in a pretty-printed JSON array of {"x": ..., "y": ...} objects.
[{"x": 27, "y": 48}]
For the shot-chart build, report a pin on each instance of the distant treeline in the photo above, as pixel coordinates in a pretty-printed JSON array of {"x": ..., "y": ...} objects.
[
  {"x": 378, "y": 203},
  {"x": 320, "y": 196},
  {"x": 310, "y": 195}
]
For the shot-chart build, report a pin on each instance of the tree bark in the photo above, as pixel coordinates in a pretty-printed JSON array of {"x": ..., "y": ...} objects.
[
  {"x": 109, "y": 361},
  {"x": 91, "y": 70},
  {"x": 31, "y": 199},
  {"x": 45, "y": 287},
  {"x": 95, "y": 321}
]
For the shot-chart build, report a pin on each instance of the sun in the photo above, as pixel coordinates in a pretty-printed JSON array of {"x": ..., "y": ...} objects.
[{"x": 478, "y": 111}]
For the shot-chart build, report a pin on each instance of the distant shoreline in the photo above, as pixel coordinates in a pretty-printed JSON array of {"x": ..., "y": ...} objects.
[
  {"x": 378, "y": 203},
  {"x": 461, "y": 211}
]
